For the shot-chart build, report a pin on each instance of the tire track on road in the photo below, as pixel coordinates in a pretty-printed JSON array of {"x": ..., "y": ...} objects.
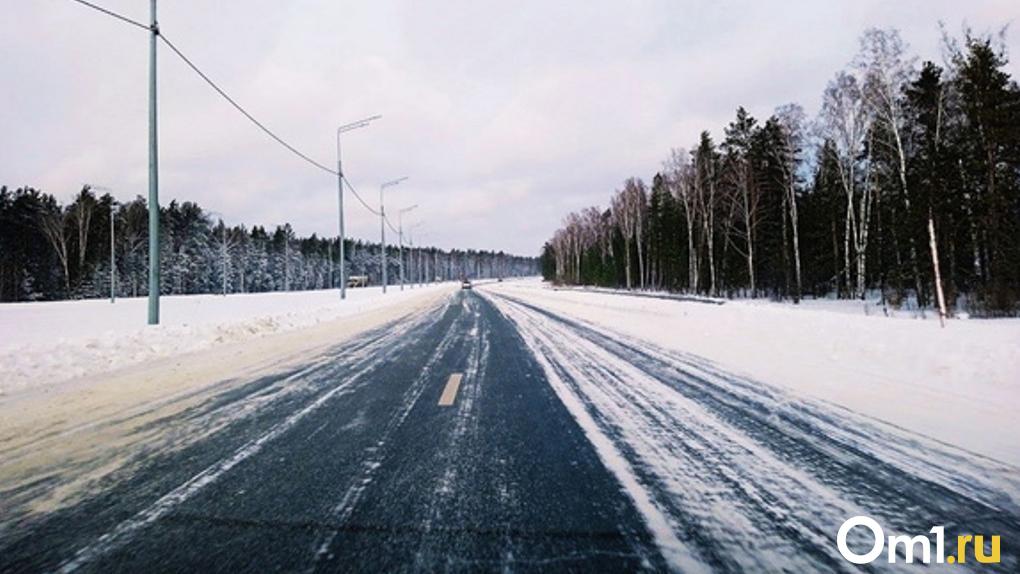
[{"x": 749, "y": 480}]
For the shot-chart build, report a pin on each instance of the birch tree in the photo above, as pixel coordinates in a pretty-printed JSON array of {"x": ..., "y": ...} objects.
[
  {"x": 623, "y": 218},
  {"x": 844, "y": 121},
  {"x": 680, "y": 178},
  {"x": 792, "y": 119},
  {"x": 886, "y": 70},
  {"x": 53, "y": 224}
]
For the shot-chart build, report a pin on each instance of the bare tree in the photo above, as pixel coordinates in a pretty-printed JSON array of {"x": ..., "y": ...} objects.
[
  {"x": 623, "y": 218},
  {"x": 886, "y": 70},
  {"x": 791, "y": 121},
  {"x": 744, "y": 200},
  {"x": 844, "y": 121},
  {"x": 680, "y": 178},
  {"x": 705, "y": 196},
  {"x": 629, "y": 213},
  {"x": 54, "y": 223},
  {"x": 81, "y": 212}
]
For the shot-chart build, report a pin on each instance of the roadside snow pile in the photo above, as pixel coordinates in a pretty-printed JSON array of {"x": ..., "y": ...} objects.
[
  {"x": 43, "y": 343},
  {"x": 647, "y": 294},
  {"x": 959, "y": 385}
]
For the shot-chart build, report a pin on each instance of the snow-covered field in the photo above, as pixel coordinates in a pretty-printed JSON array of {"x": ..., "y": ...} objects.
[
  {"x": 959, "y": 385},
  {"x": 45, "y": 343}
]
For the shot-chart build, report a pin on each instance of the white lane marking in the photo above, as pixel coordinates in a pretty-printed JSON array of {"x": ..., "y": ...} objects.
[{"x": 450, "y": 392}]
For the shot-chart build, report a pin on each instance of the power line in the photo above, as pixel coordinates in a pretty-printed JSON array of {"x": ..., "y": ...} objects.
[
  {"x": 368, "y": 207},
  {"x": 113, "y": 14},
  {"x": 243, "y": 111},
  {"x": 357, "y": 195},
  {"x": 390, "y": 225},
  {"x": 234, "y": 103},
  {"x": 262, "y": 126}
]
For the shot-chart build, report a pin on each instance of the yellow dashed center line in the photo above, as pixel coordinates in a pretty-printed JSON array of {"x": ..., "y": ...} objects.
[{"x": 450, "y": 392}]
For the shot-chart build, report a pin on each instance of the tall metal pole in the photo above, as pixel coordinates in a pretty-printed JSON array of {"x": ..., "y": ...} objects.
[
  {"x": 400, "y": 250},
  {"x": 400, "y": 232},
  {"x": 223, "y": 226},
  {"x": 340, "y": 198},
  {"x": 410, "y": 257},
  {"x": 153, "y": 176},
  {"x": 113, "y": 260},
  {"x": 340, "y": 216},
  {"x": 382, "y": 228}
]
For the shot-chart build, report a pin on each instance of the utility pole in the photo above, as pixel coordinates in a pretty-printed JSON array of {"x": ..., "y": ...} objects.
[
  {"x": 382, "y": 227},
  {"x": 113, "y": 260},
  {"x": 153, "y": 175},
  {"x": 286, "y": 262},
  {"x": 410, "y": 257},
  {"x": 340, "y": 198},
  {"x": 224, "y": 252},
  {"x": 113, "y": 257},
  {"x": 223, "y": 227},
  {"x": 400, "y": 234},
  {"x": 415, "y": 265},
  {"x": 329, "y": 254}
]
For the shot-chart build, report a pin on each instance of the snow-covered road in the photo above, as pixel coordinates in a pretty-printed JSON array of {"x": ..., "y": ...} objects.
[
  {"x": 509, "y": 427},
  {"x": 734, "y": 474}
]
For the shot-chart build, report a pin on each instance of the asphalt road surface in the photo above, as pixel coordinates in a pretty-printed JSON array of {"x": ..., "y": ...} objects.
[{"x": 493, "y": 435}]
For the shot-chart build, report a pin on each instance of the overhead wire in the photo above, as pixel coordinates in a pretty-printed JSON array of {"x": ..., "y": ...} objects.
[
  {"x": 241, "y": 109},
  {"x": 194, "y": 67},
  {"x": 113, "y": 14},
  {"x": 359, "y": 198}
]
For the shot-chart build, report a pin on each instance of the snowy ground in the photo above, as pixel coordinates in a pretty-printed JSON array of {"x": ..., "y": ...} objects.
[
  {"x": 45, "y": 343},
  {"x": 742, "y": 435},
  {"x": 959, "y": 385}
]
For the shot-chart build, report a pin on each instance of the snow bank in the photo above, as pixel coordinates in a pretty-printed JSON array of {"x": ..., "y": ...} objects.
[
  {"x": 44, "y": 343},
  {"x": 959, "y": 385}
]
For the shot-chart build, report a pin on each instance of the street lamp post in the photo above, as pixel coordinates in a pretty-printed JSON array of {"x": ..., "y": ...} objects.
[
  {"x": 415, "y": 263},
  {"x": 113, "y": 257},
  {"x": 340, "y": 195},
  {"x": 382, "y": 226},
  {"x": 154, "y": 280},
  {"x": 400, "y": 234},
  {"x": 223, "y": 254},
  {"x": 223, "y": 251}
]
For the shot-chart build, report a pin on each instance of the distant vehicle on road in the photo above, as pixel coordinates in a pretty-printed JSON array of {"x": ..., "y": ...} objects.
[
  {"x": 357, "y": 281},
  {"x": 465, "y": 284}
]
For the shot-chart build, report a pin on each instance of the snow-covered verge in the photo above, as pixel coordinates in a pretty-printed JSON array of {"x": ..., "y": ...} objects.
[
  {"x": 959, "y": 385},
  {"x": 45, "y": 343},
  {"x": 651, "y": 294}
]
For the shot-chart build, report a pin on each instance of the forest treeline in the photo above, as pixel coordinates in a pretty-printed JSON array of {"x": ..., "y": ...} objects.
[
  {"x": 907, "y": 181},
  {"x": 51, "y": 251}
]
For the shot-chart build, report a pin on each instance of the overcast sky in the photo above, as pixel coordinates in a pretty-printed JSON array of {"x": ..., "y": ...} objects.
[{"x": 505, "y": 115}]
